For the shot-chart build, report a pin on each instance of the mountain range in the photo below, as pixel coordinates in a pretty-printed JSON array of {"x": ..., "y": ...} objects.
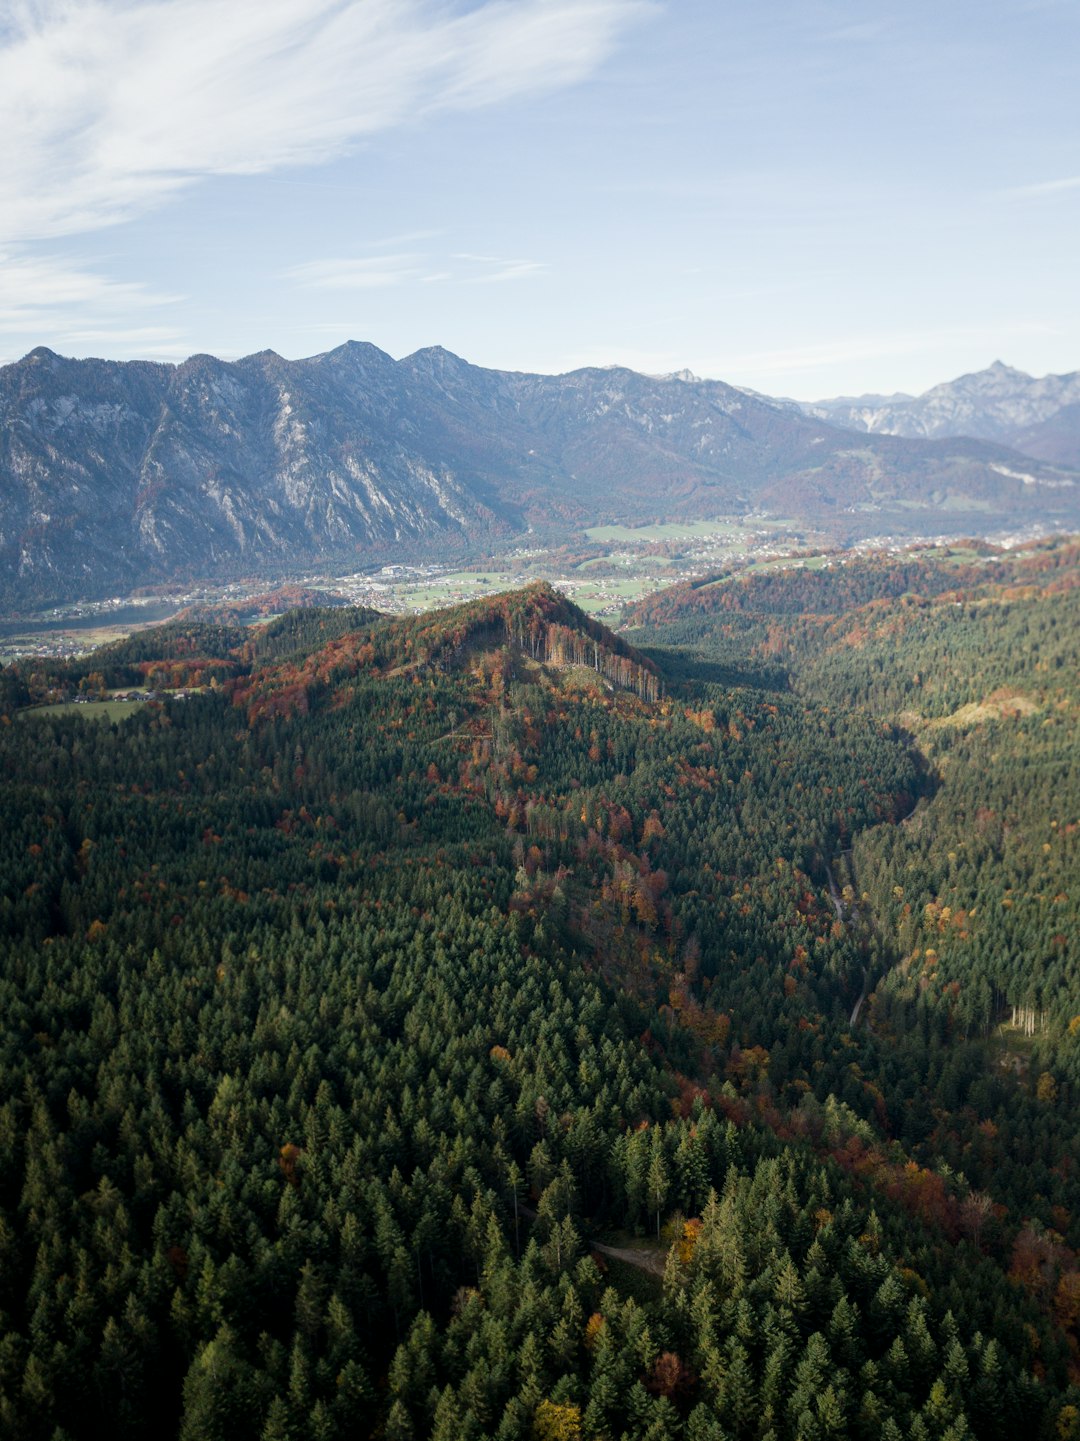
[
  {"x": 1040, "y": 417},
  {"x": 115, "y": 474}
]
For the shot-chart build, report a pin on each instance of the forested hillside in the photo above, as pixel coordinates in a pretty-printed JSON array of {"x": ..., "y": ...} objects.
[{"x": 483, "y": 1025}]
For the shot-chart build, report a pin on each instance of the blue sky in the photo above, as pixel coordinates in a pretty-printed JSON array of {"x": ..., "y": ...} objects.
[{"x": 807, "y": 198}]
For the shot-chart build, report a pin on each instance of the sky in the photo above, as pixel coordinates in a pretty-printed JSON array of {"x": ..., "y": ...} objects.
[{"x": 807, "y": 197}]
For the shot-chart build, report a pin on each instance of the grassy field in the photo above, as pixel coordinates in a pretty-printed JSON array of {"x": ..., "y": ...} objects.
[
  {"x": 602, "y": 596},
  {"x": 681, "y": 530},
  {"x": 107, "y": 710},
  {"x": 593, "y": 595},
  {"x": 492, "y": 580},
  {"x": 449, "y": 589},
  {"x": 623, "y": 561},
  {"x": 953, "y": 555},
  {"x": 780, "y": 562}
]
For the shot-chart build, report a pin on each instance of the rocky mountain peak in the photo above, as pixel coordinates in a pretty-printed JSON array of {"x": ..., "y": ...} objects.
[
  {"x": 1040, "y": 417},
  {"x": 40, "y": 355}
]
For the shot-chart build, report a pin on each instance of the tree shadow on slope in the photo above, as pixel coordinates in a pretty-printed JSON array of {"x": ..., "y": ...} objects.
[{"x": 684, "y": 671}]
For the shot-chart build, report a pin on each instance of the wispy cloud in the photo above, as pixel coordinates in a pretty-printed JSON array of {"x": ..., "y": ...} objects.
[
  {"x": 1047, "y": 187},
  {"x": 38, "y": 292},
  {"x": 368, "y": 273},
  {"x": 152, "y": 342},
  {"x": 377, "y": 272},
  {"x": 483, "y": 269},
  {"x": 110, "y": 108}
]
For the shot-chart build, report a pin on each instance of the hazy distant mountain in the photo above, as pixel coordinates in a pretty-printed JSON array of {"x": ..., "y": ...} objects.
[
  {"x": 1039, "y": 417},
  {"x": 119, "y": 473}
]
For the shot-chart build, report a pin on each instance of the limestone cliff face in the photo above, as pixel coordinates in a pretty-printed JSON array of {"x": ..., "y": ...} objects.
[
  {"x": 114, "y": 473},
  {"x": 119, "y": 473}
]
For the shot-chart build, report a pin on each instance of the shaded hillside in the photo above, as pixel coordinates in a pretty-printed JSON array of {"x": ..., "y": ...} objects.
[
  {"x": 1056, "y": 439},
  {"x": 972, "y": 903}
]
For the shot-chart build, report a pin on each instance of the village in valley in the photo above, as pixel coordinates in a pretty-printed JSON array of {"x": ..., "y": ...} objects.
[{"x": 605, "y": 571}]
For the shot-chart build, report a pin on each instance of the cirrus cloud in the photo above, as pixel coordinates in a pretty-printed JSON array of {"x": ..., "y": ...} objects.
[
  {"x": 379, "y": 272},
  {"x": 110, "y": 108}
]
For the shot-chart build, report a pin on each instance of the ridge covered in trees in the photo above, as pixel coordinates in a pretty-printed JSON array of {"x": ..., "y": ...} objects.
[{"x": 480, "y": 1025}]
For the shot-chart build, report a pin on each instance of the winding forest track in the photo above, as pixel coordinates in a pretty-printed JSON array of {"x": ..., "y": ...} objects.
[
  {"x": 644, "y": 1259},
  {"x": 654, "y": 1262},
  {"x": 834, "y": 895},
  {"x": 848, "y": 917}
]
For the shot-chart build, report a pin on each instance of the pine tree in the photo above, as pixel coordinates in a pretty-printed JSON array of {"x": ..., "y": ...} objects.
[
  {"x": 399, "y": 1426},
  {"x": 659, "y": 1182},
  {"x": 702, "y": 1425},
  {"x": 219, "y": 1399}
]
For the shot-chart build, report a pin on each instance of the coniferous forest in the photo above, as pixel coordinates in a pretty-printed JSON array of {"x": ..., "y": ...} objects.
[{"x": 483, "y": 1025}]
